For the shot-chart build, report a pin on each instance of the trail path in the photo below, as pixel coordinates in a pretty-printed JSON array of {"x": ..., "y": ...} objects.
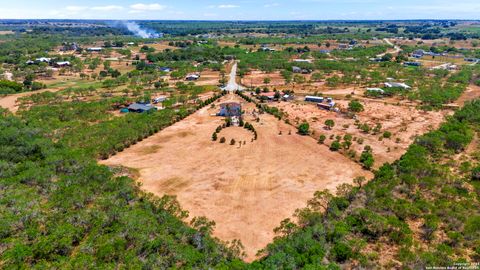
[
  {"x": 10, "y": 101},
  {"x": 396, "y": 49}
]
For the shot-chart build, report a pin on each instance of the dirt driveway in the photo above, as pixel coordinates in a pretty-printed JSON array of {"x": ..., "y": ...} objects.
[{"x": 246, "y": 190}]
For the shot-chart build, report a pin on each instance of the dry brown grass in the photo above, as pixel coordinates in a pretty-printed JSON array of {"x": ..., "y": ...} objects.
[{"x": 247, "y": 190}]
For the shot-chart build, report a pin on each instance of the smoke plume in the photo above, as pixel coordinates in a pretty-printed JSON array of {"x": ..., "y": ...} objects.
[{"x": 139, "y": 31}]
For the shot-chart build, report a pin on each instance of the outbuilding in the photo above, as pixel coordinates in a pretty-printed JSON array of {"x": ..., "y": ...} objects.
[
  {"x": 159, "y": 99},
  {"x": 95, "y": 49},
  {"x": 296, "y": 69},
  {"x": 141, "y": 108},
  {"x": 62, "y": 64},
  {"x": 328, "y": 106},
  {"x": 165, "y": 69},
  {"x": 397, "y": 84},
  {"x": 314, "y": 99},
  {"x": 377, "y": 90},
  {"x": 413, "y": 64}
]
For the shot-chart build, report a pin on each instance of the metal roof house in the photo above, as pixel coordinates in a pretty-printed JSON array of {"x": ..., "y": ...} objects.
[
  {"x": 192, "y": 77},
  {"x": 230, "y": 109},
  {"x": 141, "y": 108},
  {"x": 418, "y": 53}
]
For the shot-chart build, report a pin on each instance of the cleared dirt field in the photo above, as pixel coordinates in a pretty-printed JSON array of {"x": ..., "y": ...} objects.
[
  {"x": 472, "y": 92},
  {"x": 247, "y": 190},
  {"x": 208, "y": 77},
  {"x": 404, "y": 122},
  {"x": 255, "y": 79}
]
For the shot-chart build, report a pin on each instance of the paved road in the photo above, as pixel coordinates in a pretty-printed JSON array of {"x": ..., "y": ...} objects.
[{"x": 232, "y": 84}]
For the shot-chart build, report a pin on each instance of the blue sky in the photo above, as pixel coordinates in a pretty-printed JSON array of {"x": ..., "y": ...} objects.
[{"x": 240, "y": 9}]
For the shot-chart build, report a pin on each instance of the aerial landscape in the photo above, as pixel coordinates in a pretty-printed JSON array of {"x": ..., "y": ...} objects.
[{"x": 269, "y": 135}]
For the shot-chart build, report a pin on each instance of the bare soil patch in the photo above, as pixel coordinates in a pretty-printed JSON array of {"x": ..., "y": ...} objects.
[
  {"x": 472, "y": 92},
  {"x": 247, "y": 190},
  {"x": 403, "y": 121},
  {"x": 208, "y": 78},
  {"x": 255, "y": 79}
]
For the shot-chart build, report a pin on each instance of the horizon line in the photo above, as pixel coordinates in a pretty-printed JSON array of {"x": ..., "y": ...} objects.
[{"x": 244, "y": 20}]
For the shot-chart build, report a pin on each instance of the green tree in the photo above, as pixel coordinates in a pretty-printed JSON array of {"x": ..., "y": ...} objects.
[
  {"x": 329, "y": 123},
  {"x": 303, "y": 128},
  {"x": 366, "y": 158},
  {"x": 335, "y": 146},
  {"x": 322, "y": 139},
  {"x": 355, "y": 106}
]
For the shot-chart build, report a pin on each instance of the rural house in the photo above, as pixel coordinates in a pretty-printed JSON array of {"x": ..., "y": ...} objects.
[
  {"x": 192, "y": 77},
  {"x": 418, "y": 53},
  {"x": 230, "y": 109}
]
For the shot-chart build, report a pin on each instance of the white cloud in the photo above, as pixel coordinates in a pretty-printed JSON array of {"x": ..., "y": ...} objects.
[
  {"x": 107, "y": 8},
  {"x": 224, "y": 6},
  {"x": 228, "y": 6},
  {"x": 76, "y": 8},
  {"x": 147, "y": 7},
  {"x": 271, "y": 5}
]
